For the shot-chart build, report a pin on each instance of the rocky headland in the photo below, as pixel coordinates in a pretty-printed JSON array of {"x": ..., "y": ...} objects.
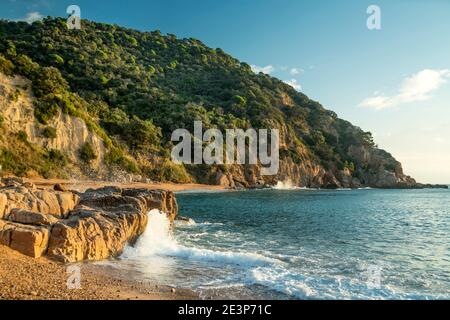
[{"x": 70, "y": 226}]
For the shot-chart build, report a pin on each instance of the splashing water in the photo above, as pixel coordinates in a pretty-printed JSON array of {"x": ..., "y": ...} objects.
[
  {"x": 158, "y": 240},
  {"x": 285, "y": 185},
  {"x": 308, "y": 245}
]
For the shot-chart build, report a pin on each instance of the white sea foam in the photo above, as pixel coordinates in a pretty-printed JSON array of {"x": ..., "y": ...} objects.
[
  {"x": 289, "y": 185},
  {"x": 281, "y": 280},
  {"x": 185, "y": 223},
  {"x": 269, "y": 270},
  {"x": 157, "y": 240},
  {"x": 285, "y": 185}
]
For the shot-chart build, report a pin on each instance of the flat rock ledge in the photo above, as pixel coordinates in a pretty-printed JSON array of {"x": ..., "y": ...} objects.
[{"x": 69, "y": 226}]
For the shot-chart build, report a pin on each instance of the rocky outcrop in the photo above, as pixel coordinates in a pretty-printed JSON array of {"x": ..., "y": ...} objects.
[
  {"x": 71, "y": 133},
  {"x": 18, "y": 194},
  {"x": 373, "y": 168},
  {"x": 29, "y": 240},
  {"x": 71, "y": 227}
]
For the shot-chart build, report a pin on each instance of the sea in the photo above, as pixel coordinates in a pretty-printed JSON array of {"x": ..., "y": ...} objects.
[{"x": 291, "y": 243}]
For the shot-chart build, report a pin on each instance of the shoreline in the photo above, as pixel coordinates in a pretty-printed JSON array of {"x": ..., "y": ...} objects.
[
  {"x": 83, "y": 185},
  {"x": 25, "y": 278}
]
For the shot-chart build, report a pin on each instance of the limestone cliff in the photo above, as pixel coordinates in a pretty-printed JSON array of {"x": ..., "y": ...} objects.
[{"x": 17, "y": 106}]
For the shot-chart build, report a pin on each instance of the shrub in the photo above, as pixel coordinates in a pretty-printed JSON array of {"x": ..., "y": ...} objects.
[
  {"x": 22, "y": 135},
  {"x": 116, "y": 157},
  {"x": 57, "y": 59},
  {"x": 45, "y": 111},
  {"x": 57, "y": 158},
  {"x": 141, "y": 134},
  {"x": 12, "y": 163},
  {"x": 49, "y": 81},
  {"x": 168, "y": 171},
  {"x": 6, "y": 66},
  {"x": 26, "y": 67},
  {"x": 49, "y": 133},
  {"x": 87, "y": 153},
  {"x": 14, "y": 97}
]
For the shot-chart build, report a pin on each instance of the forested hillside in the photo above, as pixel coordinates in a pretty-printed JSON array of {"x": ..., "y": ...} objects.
[{"x": 132, "y": 89}]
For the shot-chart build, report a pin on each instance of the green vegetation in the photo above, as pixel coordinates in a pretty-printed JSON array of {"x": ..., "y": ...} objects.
[
  {"x": 21, "y": 158},
  {"x": 134, "y": 88},
  {"x": 57, "y": 157},
  {"x": 87, "y": 153},
  {"x": 49, "y": 133},
  {"x": 22, "y": 135}
]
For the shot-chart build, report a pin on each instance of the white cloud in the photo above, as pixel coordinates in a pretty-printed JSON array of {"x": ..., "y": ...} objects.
[
  {"x": 267, "y": 69},
  {"x": 418, "y": 87},
  {"x": 32, "y": 17},
  {"x": 294, "y": 84},
  {"x": 295, "y": 71}
]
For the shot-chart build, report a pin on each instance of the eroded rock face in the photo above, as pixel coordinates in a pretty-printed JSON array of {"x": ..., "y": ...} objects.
[
  {"x": 71, "y": 227},
  {"x": 372, "y": 168},
  {"x": 27, "y": 197},
  {"x": 32, "y": 218},
  {"x": 29, "y": 240}
]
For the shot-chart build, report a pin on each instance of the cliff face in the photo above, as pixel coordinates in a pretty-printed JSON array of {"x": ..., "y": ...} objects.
[
  {"x": 376, "y": 169},
  {"x": 70, "y": 227},
  {"x": 17, "y": 111}
]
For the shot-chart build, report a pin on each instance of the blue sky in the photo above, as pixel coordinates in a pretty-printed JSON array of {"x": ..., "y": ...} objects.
[{"x": 394, "y": 82}]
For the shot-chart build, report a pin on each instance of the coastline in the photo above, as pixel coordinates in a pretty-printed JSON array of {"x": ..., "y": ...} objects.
[
  {"x": 25, "y": 278},
  {"x": 42, "y": 278},
  {"x": 18, "y": 273},
  {"x": 81, "y": 186}
]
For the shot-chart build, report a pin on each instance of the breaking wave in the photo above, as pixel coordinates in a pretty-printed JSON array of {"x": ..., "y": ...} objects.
[
  {"x": 158, "y": 240},
  {"x": 285, "y": 185}
]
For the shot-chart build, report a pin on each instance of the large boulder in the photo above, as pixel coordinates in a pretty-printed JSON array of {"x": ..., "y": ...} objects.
[
  {"x": 71, "y": 227},
  {"x": 94, "y": 235},
  {"x": 3, "y": 202},
  {"x": 33, "y": 218},
  {"x": 29, "y": 240},
  {"x": 50, "y": 202}
]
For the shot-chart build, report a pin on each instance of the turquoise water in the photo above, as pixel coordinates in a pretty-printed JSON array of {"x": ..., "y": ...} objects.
[{"x": 300, "y": 244}]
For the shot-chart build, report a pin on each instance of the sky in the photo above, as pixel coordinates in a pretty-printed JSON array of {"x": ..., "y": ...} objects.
[{"x": 393, "y": 81}]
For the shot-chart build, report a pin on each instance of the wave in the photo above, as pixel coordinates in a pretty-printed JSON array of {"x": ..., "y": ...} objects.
[
  {"x": 264, "y": 269},
  {"x": 157, "y": 240},
  {"x": 300, "y": 286},
  {"x": 281, "y": 280},
  {"x": 285, "y": 185},
  {"x": 185, "y": 222}
]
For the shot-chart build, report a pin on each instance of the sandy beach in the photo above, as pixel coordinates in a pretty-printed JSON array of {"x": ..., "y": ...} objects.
[
  {"x": 22, "y": 277},
  {"x": 81, "y": 186},
  {"x": 25, "y": 278}
]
